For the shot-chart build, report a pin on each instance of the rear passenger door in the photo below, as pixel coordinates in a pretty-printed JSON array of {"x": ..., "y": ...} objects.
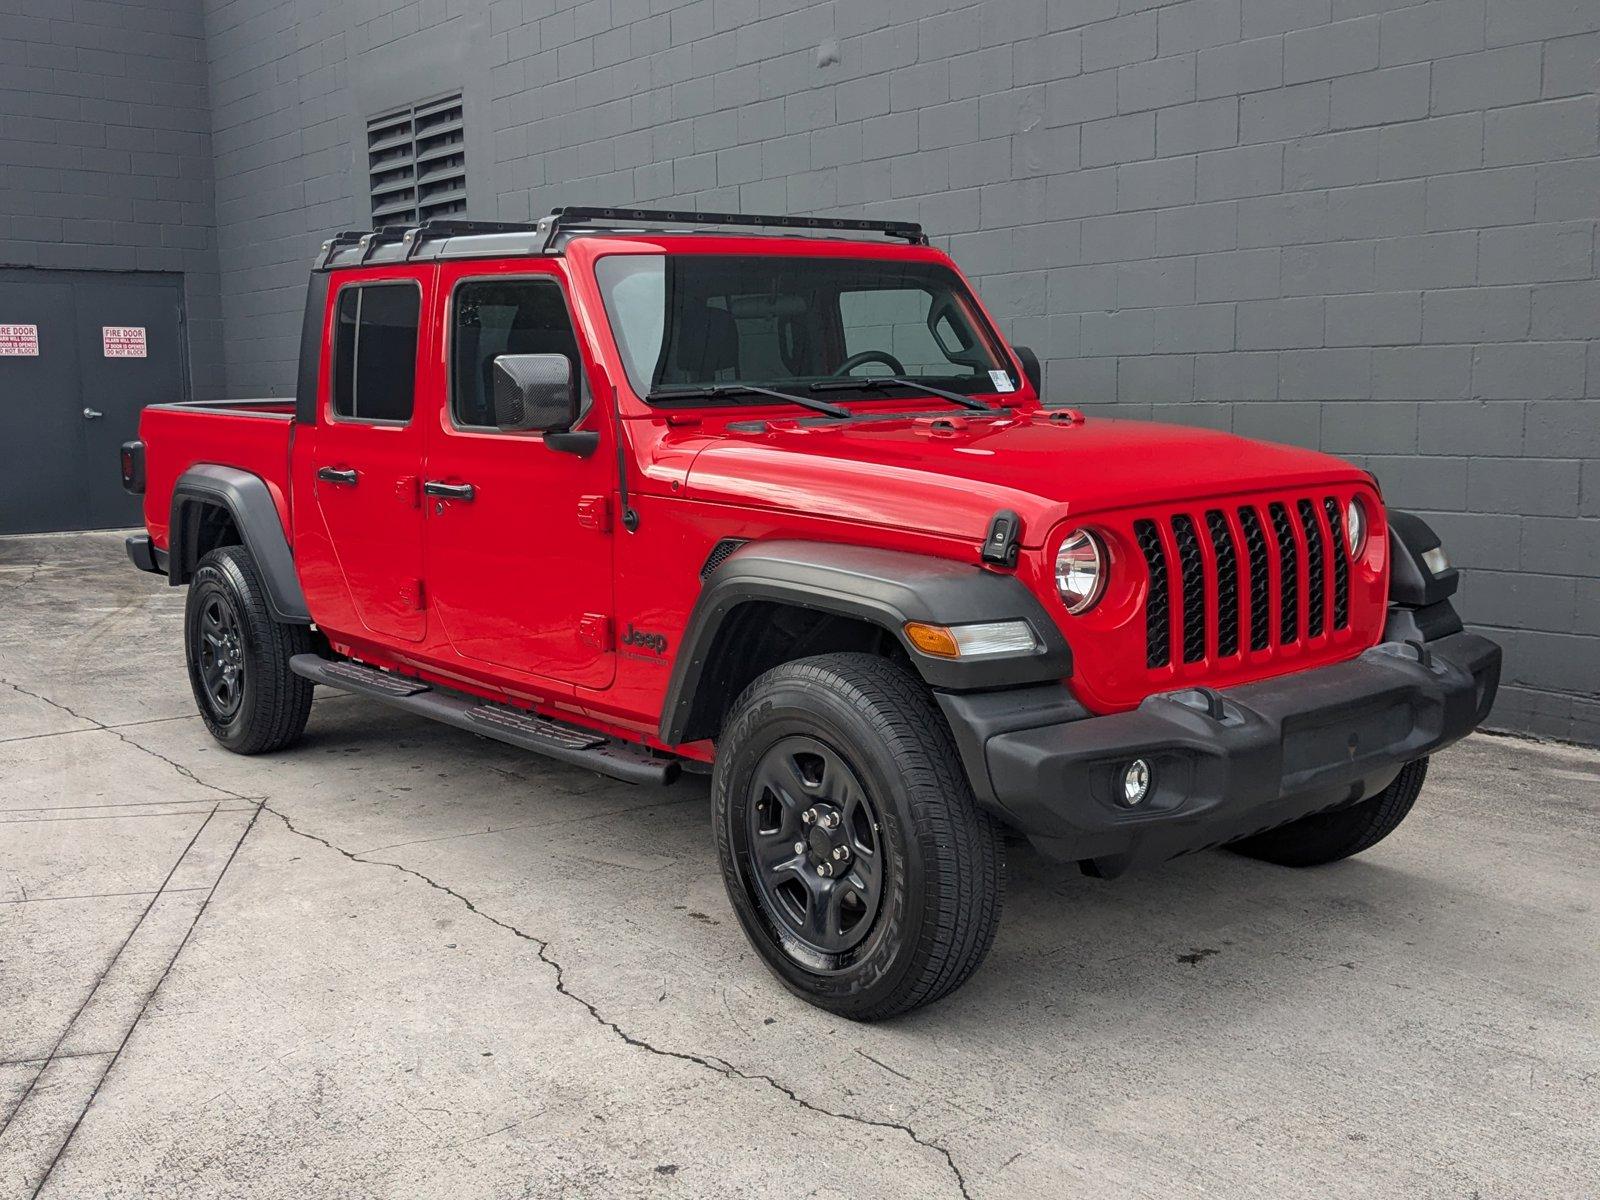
[{"x": 368, "y": 452}]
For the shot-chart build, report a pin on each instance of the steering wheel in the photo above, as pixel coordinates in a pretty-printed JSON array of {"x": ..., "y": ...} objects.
[{"x": 866, "y": 356}]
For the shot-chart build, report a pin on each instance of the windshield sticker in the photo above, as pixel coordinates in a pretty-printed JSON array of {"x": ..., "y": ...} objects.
[{"x": 1002, "y": 381}]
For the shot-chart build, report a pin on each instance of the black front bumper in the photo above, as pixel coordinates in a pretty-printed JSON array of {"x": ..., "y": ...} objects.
[{"x": 1224, "y": 764}]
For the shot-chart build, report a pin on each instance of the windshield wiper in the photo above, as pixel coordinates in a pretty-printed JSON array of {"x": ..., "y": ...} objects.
[
  {"x": 878, "y": 381},
  {"x": 718, "y": 390}
]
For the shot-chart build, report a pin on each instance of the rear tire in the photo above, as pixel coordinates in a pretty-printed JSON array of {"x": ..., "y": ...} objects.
[
  {"x": 1328, "y": 837},
  {"x": 239, "y": 657},
  {"x": 849, "y": 751}
]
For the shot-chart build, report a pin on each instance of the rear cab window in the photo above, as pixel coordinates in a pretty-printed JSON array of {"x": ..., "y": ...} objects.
[{"x": 375, "y": 352}]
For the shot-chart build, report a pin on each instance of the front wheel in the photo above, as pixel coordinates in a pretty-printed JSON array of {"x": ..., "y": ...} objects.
[
  {"x": 239, "y": 657},
  {"x": 1328, "y": 837},
  {"x": 854, "y": 854}
]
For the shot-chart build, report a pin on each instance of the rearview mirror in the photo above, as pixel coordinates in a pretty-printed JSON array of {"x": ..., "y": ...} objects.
[{"x": 534, "y": 392}]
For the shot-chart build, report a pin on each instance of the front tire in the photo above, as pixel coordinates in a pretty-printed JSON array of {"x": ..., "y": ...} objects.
[
  {"x": 239, "y": 657},
  {"x": 1328, "y": 837},
  {"x": 853, "y": 851}
]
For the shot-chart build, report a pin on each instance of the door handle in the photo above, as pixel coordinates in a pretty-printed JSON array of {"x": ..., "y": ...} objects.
[
  {"x": 448, "y": 491},
  {"x": 346, "y": 476},
  {"x": 92, "y": 414}
]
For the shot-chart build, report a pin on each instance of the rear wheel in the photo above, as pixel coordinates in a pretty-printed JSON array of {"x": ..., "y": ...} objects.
[
  {"x": 239, "y": 657},
  {"x": 1328, "y": 837},
  {"x": 854, "y": 854}
]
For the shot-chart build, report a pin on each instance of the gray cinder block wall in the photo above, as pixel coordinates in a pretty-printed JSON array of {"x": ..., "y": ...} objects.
[
  {"x": 105, "y": 149},
  {"x": 1361, "y": 225}
]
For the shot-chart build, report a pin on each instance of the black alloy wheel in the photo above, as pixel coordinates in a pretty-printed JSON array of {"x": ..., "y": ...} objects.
[
  {"x": 816, "y": 851},
  {"x": 221, "y": 657},
  {"x": 854, "y": 853},
  {"x": 238, "y": 656}
]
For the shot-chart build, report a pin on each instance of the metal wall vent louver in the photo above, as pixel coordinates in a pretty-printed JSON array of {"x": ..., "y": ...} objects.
[{"x": 416, "y": 163}]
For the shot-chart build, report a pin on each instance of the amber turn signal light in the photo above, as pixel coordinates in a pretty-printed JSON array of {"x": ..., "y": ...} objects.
[{"x": 932, "y": 639}]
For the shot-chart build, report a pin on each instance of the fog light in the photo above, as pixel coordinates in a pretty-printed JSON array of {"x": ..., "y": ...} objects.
[{"x": 1135, "y": 782}]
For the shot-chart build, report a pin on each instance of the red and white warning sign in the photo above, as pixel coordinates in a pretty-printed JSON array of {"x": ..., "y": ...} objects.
[
  {"x": 19, "y": 341},
  {"x": 123, "y": 341}
]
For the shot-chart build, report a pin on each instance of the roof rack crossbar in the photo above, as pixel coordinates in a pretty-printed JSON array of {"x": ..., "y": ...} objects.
[
  {"x": 378, "y": 237},
  {"x": 566, "y": 219},
  {"x": 345, "y": 237},
  {"x": 448, "y": 227}
]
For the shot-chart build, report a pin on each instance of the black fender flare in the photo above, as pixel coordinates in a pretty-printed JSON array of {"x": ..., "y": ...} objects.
[
  {"x": 249, "y": 501},
  {"x": 1419, "y": 601},
  {"x": 1410, "y": 581},
  {"x": 885, "y": 588}
]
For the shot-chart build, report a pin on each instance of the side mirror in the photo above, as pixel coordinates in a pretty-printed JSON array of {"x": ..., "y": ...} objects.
[
  {"x": 534, "y": 392},
  {"x": 1031, "y": 368}
]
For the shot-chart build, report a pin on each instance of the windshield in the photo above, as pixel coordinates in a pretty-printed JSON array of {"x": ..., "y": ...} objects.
[{"x": 698, "y": 320}]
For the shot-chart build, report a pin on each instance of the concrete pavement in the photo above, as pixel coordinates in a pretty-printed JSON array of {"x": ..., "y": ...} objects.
[{"x": 402, "y": 961}]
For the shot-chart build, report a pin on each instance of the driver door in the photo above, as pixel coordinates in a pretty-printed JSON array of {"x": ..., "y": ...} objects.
[{"x": 517, "y": 541}]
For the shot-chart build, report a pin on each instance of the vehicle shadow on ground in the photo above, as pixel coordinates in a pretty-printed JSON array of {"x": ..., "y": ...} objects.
[{"x": 1069, "y": 947}]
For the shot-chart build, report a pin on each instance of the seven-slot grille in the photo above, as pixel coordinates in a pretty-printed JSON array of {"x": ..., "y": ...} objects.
[{"x": 1243, "y": 572}]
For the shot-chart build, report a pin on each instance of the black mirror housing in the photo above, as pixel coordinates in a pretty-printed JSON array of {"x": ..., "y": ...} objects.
[
  {"x": 1030, "y": 368},
  {"x": 534, "y": 392}
]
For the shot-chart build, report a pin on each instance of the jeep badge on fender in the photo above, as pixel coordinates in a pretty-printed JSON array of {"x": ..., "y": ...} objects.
[
  {"x": 656, "y": 642},
  {"x": 911, "y": 607}
]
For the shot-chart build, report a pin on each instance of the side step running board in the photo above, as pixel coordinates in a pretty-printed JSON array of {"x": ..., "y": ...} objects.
[{"x": 555, "y": 739}]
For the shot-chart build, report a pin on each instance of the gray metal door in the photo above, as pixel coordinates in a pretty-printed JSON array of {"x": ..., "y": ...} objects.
[{"x": 102, "y": 345}]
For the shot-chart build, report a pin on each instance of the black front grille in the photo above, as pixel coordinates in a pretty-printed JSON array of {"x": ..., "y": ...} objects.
[
  {"x": 1313, "y": 532},
  {"x": 1192, "y": 577},
  {"x": 1227, "y": 584},
  {"x": 1255, "y": 540},
  {"x": 1273, "y": 586},
  {"x": 1157, "y": 608},
  {"x": 1341, "y": 565},
  {"x": 1288, "y": 576}
]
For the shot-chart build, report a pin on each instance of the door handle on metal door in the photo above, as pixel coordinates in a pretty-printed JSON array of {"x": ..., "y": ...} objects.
[
  {"x": 449, "y": 491},
  {"x": 92, "y": 414},
  {"x": 346, "y": 476}
]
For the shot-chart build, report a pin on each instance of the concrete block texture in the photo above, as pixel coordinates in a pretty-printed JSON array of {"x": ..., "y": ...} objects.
[{"x": 1366, "y": 226}]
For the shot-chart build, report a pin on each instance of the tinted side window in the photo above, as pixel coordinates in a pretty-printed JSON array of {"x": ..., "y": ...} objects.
[
  {"x": 375, "y": 352},
  {"x": 502, "y": 316}
]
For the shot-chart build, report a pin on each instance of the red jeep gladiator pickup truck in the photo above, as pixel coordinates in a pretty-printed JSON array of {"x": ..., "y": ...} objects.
[{"x": 770, "y": 496}]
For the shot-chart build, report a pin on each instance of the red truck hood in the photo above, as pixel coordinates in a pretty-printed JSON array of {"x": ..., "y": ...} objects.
[{"x": 949, "y": 477}]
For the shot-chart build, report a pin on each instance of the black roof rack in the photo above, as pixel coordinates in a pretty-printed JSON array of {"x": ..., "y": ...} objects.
[{"x": 570, "y": 221}]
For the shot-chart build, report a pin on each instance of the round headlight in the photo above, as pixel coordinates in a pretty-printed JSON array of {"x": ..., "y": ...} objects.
[
  {"x": 1080, "y": 571},
  {"x": 1355, "y": 526}
]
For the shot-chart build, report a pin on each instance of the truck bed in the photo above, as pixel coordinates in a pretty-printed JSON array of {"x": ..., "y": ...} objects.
[{"x": 252, "y": 435}]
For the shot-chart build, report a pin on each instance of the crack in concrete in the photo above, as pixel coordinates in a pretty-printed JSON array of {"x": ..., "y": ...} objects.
[
  {"x": 542, "y": 948},
  {"x": 717, "y": 1065},
  {"x": 33, "y": 573},
  {"x": 122, "y": 737},
  {"x": 34, "y": 737}
]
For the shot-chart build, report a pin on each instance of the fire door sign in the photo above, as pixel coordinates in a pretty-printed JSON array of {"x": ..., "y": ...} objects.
[
  {"x": 123, "y": 341},
  {"x": 19, "y": 341}
]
